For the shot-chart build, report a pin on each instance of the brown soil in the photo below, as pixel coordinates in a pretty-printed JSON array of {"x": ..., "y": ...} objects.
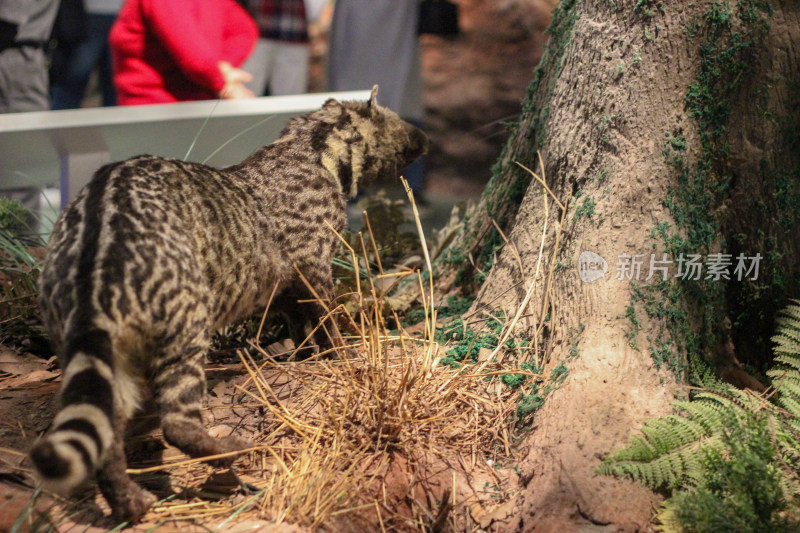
[{"x": 439, "y": 470}]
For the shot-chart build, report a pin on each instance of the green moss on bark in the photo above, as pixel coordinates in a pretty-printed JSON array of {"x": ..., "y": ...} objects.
[
  {"x": 507, "y": 187},
  {"x": 732, "y": 34}
]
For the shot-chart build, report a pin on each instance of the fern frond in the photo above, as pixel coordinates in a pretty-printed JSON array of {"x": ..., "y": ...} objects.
[
  {"x": 667, "y": 516},
  {"x": 670, "y": 432},
  {"x": 791, "y": 311},
  {"x": 789, "y": 386},
  {"x": 710, "y": 415},
  {"x": 704, "y": 377},
  {"x": 794, "y": 424},
  {"x": 685, "y": 429},
  {"x": 677, "y": 468},
  {"x": 668, "y": 452},
  {"x": 676, "y": 452},
  {"x": 785, "y": 375},
  {"x": 787, "y": 337},
  {"x": 734, "y": 402},
  {"x": 789, "y": 397},
  {"x": 789, "y": 322},
  {"x": 789, "y": 482},
  {"x": 787, "y": 344},
  {"x": 782, "y": 373}
]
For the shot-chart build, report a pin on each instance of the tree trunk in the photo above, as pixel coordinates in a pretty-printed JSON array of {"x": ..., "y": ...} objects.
[{"x": 664, "y": 127}]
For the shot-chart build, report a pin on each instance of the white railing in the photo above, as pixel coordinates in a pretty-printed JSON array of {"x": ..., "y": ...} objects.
[{"x": 67, "y": 147}]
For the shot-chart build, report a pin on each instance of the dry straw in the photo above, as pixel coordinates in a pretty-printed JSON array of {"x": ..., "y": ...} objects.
[{"x": 380, "y": 437}]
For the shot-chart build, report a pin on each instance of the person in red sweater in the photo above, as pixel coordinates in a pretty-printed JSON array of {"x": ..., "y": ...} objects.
[{"x": 176, "y": 50}]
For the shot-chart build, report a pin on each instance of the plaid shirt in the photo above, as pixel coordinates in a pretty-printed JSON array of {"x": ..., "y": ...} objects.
[{"x": 280, "y": 20}]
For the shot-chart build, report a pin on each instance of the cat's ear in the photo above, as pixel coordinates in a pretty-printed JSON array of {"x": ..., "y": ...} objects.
[
  {"x": 373, "y": 98},
  {"x": 331, "y": 103}
]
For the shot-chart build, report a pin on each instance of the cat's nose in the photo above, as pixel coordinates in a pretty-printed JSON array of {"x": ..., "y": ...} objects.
[{"x": 418, "y": 143}]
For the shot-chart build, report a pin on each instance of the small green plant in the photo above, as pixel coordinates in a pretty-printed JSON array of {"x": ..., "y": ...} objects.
[
  {"x": 465, "y": 342},
  {"x": 13, "y": 216},
  {"x": 575, "y": 335},
  {"x": 587, "y": 209},
  {"x": 644, "y": 8},
  {"x": 741, "y": 488},
  {"x": 604, "y": 173},
  {"x": 456, "y": 306},
  {"x": 728, "y": 459},
  {"x": 532, "y": 399},
  {"x": 678, "y": 142},
  {"x": 20, "y": 324},
  {"x": 414, "y": 316},
  {"x": 561, "y": 266},
  {"x": 630, "y": 313},
  {"x": 517, "y": 380},
  {"x": 530, "y": 403}
]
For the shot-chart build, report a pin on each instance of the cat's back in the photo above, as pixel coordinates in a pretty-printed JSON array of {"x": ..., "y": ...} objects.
[{"x": 134, "y": 231}]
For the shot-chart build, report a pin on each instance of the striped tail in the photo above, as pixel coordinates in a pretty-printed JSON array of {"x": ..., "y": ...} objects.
[{"x": 83, "y": 430}]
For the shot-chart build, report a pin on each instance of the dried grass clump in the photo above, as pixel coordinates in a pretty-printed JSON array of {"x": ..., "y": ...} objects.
[{"x": 336, "y": 427}]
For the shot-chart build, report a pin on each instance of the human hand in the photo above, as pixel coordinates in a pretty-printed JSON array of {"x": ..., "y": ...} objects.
[
  {"x": 235, "y": 79},
  {"x": 232, "y": 91}
]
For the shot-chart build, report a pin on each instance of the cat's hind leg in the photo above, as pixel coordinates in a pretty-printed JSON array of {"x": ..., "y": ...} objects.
[
  {"x": 179, "y": 387},
  {"x": 128, "y": 500}
]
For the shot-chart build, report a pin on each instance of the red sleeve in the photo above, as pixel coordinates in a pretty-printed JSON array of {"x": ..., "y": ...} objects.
[
  {"x": 175, "y": 24},
  {"x": 239, "y": 35}
]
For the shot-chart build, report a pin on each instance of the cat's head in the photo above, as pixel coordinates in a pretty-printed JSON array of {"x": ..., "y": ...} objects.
[{"x": 372, "y": 138}]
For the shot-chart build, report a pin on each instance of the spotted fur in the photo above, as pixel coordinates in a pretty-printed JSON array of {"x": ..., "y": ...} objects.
[{"x": 155, "y": 254}]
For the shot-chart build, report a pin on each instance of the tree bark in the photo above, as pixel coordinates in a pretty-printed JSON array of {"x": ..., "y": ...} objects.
[{"x": 664, "y": 127}]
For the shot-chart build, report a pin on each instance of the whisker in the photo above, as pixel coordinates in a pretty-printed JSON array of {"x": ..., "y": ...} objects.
[
  {"x": 492, "y": 123},
  {"x": 194, "y": 141},
  {"x": 226, "y": 143}
]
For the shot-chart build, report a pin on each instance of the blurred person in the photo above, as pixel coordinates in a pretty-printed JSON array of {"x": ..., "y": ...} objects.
[
  {"x": 375, "y": 42},
  {"x": 177, "y": 50},
  {"x": 279, "y": 63},
  {"x": 25, "y": 27},
  {"x": 76, "y": 57}
]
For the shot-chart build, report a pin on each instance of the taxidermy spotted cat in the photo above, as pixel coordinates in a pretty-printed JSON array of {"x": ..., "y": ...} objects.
[{"x": 156, "y": 254}]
